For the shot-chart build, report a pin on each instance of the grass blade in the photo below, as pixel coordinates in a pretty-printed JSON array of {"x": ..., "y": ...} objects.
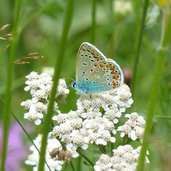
[{"x": 58, "y": 67}]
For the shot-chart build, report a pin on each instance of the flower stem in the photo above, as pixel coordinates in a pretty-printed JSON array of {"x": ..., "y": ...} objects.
[
  {"x": 58, "y": 67},
  {"x": 72, "y": 166},
  {"x": 8, "y": 91},
  {"x": 138, "y": 46},
  {"x": 93, "y": 31},
  {"x": 159, "y": 66},
  {"x": 85, "y": 157}
]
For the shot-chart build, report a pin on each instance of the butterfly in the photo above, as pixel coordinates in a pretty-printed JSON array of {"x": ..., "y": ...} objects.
[{"x": 94, "y": 72}]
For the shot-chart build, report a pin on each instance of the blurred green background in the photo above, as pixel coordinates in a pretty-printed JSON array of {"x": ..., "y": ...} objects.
[{"x": 116, "y": 36}]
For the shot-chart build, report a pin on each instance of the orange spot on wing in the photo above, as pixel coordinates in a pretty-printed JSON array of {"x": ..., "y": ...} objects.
[
  {"x": 108, "y": 65},
  {"x": 115, "y": 77},
  {"x": 102, "y": 65},
  {"x": 95, "y": 65},
  {"x": 115, "y": 84},
  {"x": 113, "y": 72},
  {"x": 112, "y": 68}
]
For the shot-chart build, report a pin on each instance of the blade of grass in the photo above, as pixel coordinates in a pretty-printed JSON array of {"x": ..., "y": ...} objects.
[
  {"x": 138, "y": 46},
  {"x": 93, "y": 29},
  {"x": 8, "y": 91},
  {"x": 159, "y": 66},
  {"x": 58, "y": 67}
]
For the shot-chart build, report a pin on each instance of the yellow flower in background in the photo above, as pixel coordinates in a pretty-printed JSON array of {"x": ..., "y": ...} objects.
[{"x": 163, "y": 2}]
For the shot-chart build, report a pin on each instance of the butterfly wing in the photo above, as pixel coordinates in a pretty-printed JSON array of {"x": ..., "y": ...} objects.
[{"x": 95, "y": 72}]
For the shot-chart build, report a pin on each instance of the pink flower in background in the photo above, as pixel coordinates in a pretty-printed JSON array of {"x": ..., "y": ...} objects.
[{"x": 16, "y": 150}]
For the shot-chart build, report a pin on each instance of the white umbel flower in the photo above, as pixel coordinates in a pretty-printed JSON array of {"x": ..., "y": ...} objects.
[
  {"x": 36, "y": 110},
  {"x": 39, "y": 86},
  {"x": 133, "y": 127},
  {"x": 94, "y": 120},
  {"x": 120, "y": 98},
  {"x": 125, "y": 158}
]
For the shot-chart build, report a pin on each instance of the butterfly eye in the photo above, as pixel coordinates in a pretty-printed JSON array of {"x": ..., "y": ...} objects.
[{"x": 74, "y": 84}]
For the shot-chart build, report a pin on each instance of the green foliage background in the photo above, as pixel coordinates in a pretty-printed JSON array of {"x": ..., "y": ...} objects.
[{"x": 116, "y": 36}]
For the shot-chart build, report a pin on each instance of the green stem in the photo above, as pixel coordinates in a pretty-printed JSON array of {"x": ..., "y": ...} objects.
[
  {"x": 163, "y": 117},
  {"x": 138, "y": 46},
  {"x": 85, "y": 157},
  {"x": 58, "y": 67},
  {"x": 72, "y": 166},
  {"x": 112, "y": 146},
  {"x": 79, "y": 163},
  {"x": 93, "y": 31},
  {"x": 159, "y": 66},
  {"x": 8, "y": 92}
]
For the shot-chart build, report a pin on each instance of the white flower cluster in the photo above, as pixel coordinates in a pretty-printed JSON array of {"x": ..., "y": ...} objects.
[
  {"x": 120, "y": 98},
  {"x": 40, "y": 86},
  {"x": 133, "y": 127},
  {"x": 94, "y": 120},
  {"x": 124, "y": 158},
  {"x": 122, "y": 6},
  {"x": 53, "y": 163}
]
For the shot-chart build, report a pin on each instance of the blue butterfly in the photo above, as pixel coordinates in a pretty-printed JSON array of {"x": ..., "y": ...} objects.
[{"x": 95, "y": 73}]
